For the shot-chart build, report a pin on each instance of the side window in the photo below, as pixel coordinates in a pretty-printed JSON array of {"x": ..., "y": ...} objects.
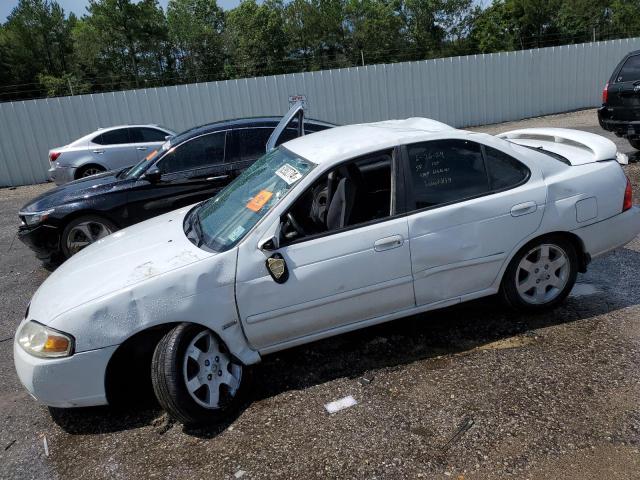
[
  {"x": 504, "y": 170},
  {"x": 353, "y": 193},
  {"x": 444, "y": 171},
  {"x": 630, "y": 71},
  {"x": 288, "y": 134},
  {"x": 314, "y": 127},
  {"x": 146, "y": 135},
  {"x": 113, "y": 137},
  {"x": 252, "y": 142},
  {"x": 197, "y": 153}
]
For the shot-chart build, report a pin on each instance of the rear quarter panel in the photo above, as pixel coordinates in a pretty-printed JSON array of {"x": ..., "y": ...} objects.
[{"x": 582, "y": 195}]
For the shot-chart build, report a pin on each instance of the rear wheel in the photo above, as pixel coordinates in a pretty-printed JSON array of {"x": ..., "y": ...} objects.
[
  {"x": 635, "y": 143},
  {"x": 83, "y": 231},
  {"x": 541, "y": 275},
  {"x": 195, "y": 378},
  {"x": 89, "y": 170}
]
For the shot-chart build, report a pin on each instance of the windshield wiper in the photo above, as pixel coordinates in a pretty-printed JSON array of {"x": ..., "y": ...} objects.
[
  {"x": 194, "y": 227},
  {"x": 198, "y": 226}
]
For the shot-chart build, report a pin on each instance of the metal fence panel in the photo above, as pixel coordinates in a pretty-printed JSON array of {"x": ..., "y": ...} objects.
[{"x": 460, "y": 91}]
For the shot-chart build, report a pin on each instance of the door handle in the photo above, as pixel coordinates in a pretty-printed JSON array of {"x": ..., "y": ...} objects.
[
  {"x": 388, "y": 243},
  {"x": 141, "y": 148},
  {"x": 523, "y": 208},
  {"x": 99, "y": 152},
  {"x": 219, "y": 177}
]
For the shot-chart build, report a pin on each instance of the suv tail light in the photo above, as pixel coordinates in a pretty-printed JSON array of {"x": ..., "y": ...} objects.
[
  {"x": 605, "y": 93},
  {"x": 628, "y": 197},
  {"x": 53, "y": 156}
]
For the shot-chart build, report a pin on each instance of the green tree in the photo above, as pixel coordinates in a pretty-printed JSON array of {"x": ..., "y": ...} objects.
[
  {"x": 376, "y": 30},
  {"x": 316, "y": 34},
  {"x": 625, "y": 17},
  {"x": 36, "y": 37},
  {"x": 196, "y": 30},
  {"x": 255, "y": 39},
  {"x": 125, "y": 41},
  {"x": 582, "y": 20}
]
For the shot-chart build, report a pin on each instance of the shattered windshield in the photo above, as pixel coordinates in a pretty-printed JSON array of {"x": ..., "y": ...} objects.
[{"x": 226, "y": 218}]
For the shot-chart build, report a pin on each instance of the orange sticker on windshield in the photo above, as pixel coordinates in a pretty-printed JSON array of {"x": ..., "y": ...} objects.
[
  {"x": 150, "y": 156},
  {"x": 257, "y": 202}
]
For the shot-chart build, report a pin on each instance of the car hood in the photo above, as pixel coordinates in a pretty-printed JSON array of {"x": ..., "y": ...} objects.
[
  {"x": 120, "y": 261},
  {"x": 79, "y": 189}
]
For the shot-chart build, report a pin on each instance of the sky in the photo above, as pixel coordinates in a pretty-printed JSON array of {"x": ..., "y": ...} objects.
[{"x": 78, "y": 6}]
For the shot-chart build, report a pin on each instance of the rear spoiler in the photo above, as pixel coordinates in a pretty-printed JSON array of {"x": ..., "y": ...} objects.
[{"x": 579, "y": 147}]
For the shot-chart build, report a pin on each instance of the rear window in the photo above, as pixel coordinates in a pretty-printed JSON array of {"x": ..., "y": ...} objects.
[
  {"x": 630, "y": 71},
  {"x": 504, "y": 170},
  {"x": 113, "y": 137}
]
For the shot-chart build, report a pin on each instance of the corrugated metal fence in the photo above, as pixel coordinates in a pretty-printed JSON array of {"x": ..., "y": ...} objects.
[{"x": 460, "y": 91}]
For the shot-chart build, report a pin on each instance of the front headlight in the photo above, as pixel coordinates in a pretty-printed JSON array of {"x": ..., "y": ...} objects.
[
  {"x": 35, "y": 218},
  {"x": 45, "y": 342}
]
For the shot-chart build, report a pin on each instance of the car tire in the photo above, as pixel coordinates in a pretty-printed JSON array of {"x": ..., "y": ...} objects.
[
  {"x": 82, "y": 232},
  {"x": 88, "y": 170},
  {"x": 541, "y": 274},
  {"x": 185, "y": 386},
  {"x": 635, "y": 143}
]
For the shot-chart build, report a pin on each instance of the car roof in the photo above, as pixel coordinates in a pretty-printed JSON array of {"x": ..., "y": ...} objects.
[
  {"x": 248, "y": 122},
  {"x": 336, "y": 144}
]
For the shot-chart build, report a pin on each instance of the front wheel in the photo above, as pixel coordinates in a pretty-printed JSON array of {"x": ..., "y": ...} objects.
[
  {"x": 541, "y": 275},
  {"x": 194, "y": 377},
  {"x": 83, "y": 231}
]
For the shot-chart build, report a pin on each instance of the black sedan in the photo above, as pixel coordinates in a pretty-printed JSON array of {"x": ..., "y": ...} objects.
[{"x": 189, "y": 168}]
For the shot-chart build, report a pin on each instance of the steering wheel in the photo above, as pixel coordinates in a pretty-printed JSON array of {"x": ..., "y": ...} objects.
[{"x": 296, "y": 226}]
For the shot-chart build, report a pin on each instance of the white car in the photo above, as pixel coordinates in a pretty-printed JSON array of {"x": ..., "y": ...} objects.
[
  {"x": 328, "y": 233},
  {"x": 105, "y": 149}
]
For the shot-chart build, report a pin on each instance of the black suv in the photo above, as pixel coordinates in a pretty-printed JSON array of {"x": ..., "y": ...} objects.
[
  {"x": 189, "y": 168},
  {"x": 620, "y": 111}
]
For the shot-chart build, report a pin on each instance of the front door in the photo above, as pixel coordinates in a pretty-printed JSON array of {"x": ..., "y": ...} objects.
[
  {"x": 347, "y": 263},
  {"x": 191, "y": 172},
  {"x": 471, "y": 205}
]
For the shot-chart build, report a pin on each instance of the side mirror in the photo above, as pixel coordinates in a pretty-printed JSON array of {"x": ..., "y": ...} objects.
[
  {"x": 269, "y": 244},
  {"x": 153, "y": 174},
  {"x": 271, "y": 240}
]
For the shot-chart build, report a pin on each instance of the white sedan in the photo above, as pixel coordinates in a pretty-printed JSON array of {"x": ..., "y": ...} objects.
[{"x": 328, "y": 233}]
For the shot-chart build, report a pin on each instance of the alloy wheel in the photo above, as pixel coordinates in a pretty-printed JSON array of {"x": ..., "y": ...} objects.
[
  {"x": 542, "y": 274},
  {"x": 207, "y": 370},
  {"x": 84, "y": 234}
]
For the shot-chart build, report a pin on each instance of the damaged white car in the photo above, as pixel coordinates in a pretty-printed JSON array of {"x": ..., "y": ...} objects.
[{"x": 328, "y": 233}]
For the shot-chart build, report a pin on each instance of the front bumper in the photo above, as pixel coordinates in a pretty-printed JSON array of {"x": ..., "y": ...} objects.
[
  {"x": 44, "y": 240},
  {"x": 61, "y": 174},
  {"x": 75, "y": 381},
  {"x": 614, "y": 232}
]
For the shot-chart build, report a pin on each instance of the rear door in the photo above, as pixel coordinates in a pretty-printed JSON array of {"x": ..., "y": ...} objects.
[
  {"x": 470, "y": 205},
  {"x": 191, "y": 172},
  {"x": 245, "y": 146},
  {"x": 624, "y": 94},
  {"x": 113, "y": 149},
  {"x": 146, "y": 139}
]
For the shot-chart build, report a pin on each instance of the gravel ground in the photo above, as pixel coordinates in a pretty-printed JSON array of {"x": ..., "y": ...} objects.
[{"x": 538, "y": 396}]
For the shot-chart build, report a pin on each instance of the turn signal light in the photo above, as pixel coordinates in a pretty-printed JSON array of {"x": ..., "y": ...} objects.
[{"x": 628, "y": 197}]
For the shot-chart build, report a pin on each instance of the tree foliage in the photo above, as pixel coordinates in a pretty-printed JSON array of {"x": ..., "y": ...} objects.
[{"x": 119, "y": 44}]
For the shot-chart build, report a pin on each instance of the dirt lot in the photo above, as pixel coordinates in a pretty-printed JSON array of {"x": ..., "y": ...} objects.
[{"x": 547, "y": 396}]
